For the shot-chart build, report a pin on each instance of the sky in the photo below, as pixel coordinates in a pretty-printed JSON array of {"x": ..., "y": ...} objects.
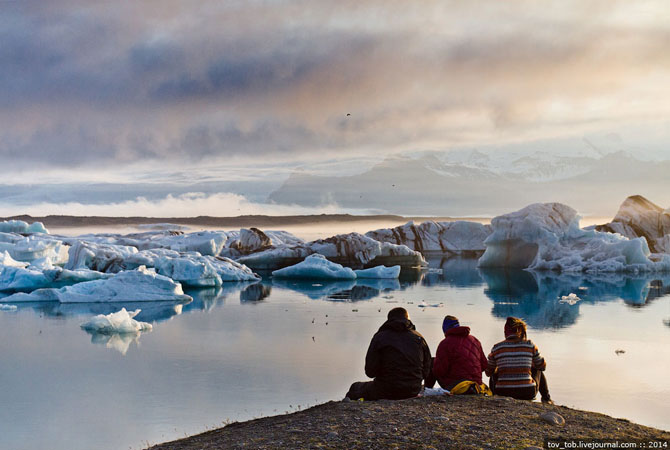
[{"x": 217, "y": 103}]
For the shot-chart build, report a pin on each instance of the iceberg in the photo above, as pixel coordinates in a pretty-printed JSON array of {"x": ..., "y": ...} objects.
[
  {"x": 33, "y": 247},
  {"x": 98, "y": 256},
  {"x": 27, "y": 279},
  {"x": 379, "y": 272},
  {"x": 4, "y": 307},
  {"x": 204, "y": 271},
  {"x": 119, "y": 322},
  {"x": 316, "y": 267},
  {"x": 638, "y": 217},
  {"x": 19, "y": 226},
  {"x": 456, "y": 238},
  {"x": 141, "y": 285},
  {"x": 546, "y": 236},
  {"x": 353, "y": 249}
]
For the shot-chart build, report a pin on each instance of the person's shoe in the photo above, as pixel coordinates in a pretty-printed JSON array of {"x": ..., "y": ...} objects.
[{"x": 547, "y": 401}]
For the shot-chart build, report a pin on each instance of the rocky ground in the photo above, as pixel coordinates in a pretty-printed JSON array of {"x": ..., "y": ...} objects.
[{"x": 446, "y": 422}]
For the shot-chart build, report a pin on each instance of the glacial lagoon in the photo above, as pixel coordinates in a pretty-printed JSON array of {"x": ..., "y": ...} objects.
[{"x": 250, "y": 350}]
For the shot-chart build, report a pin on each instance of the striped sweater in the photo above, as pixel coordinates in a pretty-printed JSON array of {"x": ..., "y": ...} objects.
[{"x": 514, "y": 358}]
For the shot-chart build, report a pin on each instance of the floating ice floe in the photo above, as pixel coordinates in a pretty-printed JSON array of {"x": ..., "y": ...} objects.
[
  {"x": 4, "y": 307},
  {"x": 316, "y": 267},
  {"x": 638, "y": 217},
  {"x": 459, "y": 237},
  {"x": 141, "y": 285},
  {"x": 570, "y": 299},
  {"x": 119, "y": 322},
  {"x": 204, "y": 271},
  {"x": 379, "y": 272},
  {"x": 163, "y": 227},
  {"x": 19, "y": 226},
  {"x": 546, "y": 236},
  {"x": 22, "y": 279}
]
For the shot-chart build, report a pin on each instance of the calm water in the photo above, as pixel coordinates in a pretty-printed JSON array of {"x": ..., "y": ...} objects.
[{"x": 247, "y": 351}]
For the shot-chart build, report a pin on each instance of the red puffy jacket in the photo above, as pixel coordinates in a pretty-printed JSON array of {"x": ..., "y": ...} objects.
[{"x": 459, "y": 357}]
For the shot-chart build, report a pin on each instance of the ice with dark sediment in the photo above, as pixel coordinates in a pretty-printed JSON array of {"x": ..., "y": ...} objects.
[
  {"x": 352, "y": 250},
  {"x": 430, "y": 237},
  {"x": 546, "y": 236},
  {"x": 639, "y": 217}
]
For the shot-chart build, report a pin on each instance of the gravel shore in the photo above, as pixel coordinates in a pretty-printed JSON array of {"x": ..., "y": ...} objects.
[{"x": 445, "y": 422}]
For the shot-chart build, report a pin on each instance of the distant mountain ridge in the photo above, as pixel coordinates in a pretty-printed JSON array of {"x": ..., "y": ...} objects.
[{"x": 434, "y": 184}]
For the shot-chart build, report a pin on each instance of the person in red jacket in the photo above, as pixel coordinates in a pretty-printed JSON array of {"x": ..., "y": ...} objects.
[{"x": 459, "y": 356}]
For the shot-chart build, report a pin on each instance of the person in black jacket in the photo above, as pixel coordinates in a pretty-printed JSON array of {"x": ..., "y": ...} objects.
[{"x": 398, "y": 359}]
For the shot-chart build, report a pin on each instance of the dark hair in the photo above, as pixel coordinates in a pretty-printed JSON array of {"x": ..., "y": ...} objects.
[
  {"x": 398, "y": 313},
  {"x": 450, "y": 318}
]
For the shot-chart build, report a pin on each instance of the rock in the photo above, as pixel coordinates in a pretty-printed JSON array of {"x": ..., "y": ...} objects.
[
  {"x": 332, "y": 435},
  {"x": 552, "y": 418}
]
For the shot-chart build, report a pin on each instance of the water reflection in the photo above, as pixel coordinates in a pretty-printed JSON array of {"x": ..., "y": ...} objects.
[
  {"x": 536, "y": 296},
  {"x": 256, "y": 292},
  {"x": 455, "y": 271},
  {"x": 150, "y": 311},
  {"x": 117, "y": 341},
  {"x": 205, "y": 299}
]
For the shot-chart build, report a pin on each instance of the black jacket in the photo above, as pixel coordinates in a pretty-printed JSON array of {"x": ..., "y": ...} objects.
[{"x": 398, "y": 358}]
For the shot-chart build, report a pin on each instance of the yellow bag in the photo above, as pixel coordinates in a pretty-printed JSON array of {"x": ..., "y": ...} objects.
[{"x": 470, "y": 387}]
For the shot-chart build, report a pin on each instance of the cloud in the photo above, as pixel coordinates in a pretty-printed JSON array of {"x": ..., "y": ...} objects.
[
  {"x": 113, "y": 84},
  {"x": 191, "y": 204}
]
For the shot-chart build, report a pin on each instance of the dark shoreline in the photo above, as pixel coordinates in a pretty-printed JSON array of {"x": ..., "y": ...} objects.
[
  {"x": 445, "y": 422},
  {"x": 236, "y": 221}
]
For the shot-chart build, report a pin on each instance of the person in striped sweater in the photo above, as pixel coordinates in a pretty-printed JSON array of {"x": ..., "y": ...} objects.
[{"x": 515, "y": 366}]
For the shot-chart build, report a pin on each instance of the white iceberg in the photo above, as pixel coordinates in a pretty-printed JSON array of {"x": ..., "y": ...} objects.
[
  {"x": 546, "y": 236},
  {"x": 33, "y": 247},
  {"x": 141, "y": 285},
  {"x": 6, "y": 260},
  {"x": 316, "y": 267},
  {"x": 458, "y": 237},
  {"x": 4, "y": 307},
  {"x": 379, "y": 272},
  {"x": 119, "y": 322},
  {"x": 638, "y": 217},
  {"x": 570, "y": 299},
  {"x": 19, "y": 226}
]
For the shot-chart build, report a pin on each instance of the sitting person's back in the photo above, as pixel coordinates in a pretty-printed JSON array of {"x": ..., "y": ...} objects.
[
  {"x": 515, "y": 365},
  {"x": 459, "y": 356},
  {"x": 398, "y": 359}
]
